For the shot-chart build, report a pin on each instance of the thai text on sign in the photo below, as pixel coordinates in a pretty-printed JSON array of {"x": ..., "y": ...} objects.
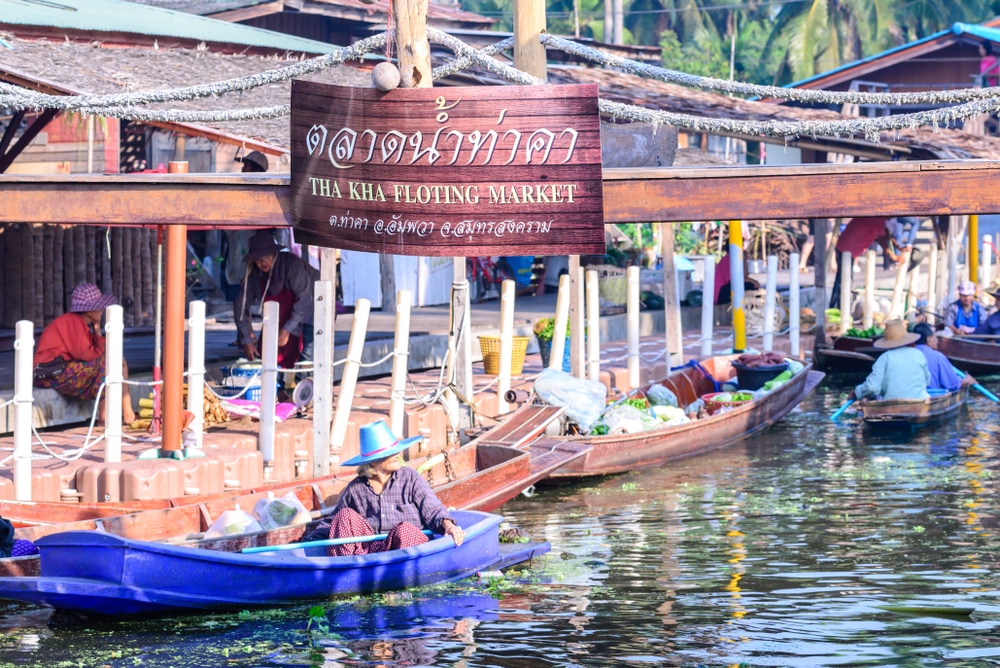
[{"x": 448, "y": 171}]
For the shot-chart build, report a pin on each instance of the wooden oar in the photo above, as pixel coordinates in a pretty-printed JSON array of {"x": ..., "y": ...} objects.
[
  {"x": 840, "y": 411},
  {"x": 322, "y": 543},
  {"x": 982, "y": 390}
]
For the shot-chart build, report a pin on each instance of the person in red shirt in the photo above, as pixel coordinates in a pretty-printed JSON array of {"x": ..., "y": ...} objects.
[
  {"x": 858, "y": 235},
  {"x": 75, "y": 339}
]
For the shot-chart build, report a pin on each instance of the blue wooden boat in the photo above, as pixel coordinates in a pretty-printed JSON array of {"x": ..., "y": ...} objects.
[{"x": 93, "y": 573}]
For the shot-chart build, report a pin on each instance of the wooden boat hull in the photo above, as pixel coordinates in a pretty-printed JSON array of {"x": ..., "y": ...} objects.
[
  {"x": 976, "y": 357},
  {"x": 648, "y": 449},
  {"x": 93, "y": 573},
  {"x": 477, "y": 476},
  {"x": 912, "y": 412},
  {"x": 846, "y": 355}
]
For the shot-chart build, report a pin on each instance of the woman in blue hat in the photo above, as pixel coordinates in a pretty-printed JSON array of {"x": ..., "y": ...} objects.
[{"x": 386, "y": 497}]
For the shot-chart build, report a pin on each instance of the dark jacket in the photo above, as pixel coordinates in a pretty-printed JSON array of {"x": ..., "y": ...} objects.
[{"x": 289, "y": 271}]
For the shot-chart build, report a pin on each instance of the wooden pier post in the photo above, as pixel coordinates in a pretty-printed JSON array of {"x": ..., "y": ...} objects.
[
  {"x": 932, "y": 280},
  {"x": 349, "y": 379},
  {"x": 562, "y": 320},
  {"x": 173, "y": 330},
  {"x": 24, "y": 364},
  {"x": 868, "y": 316},
  {"x": 268, "y": 383},
  {"x": 400, "y": 362},
  {"x": 707, "y": 306},
  {"x": 820, "y": 226},
  {"x": 196, "y": 370},
  {"x": 736, "y": 285},
  {"x": 506, "y": 344},
  {"x": 794, "y": 299},
  {"x": 632, "y": 313},
  {"x": 113, "y": 383},
  {"x": 846, "y": 276},
  {"x": 593, "y": 326},
  {"x": 896, "y": 309},
  {"x": 324, "y": 309},
  {"x": 972, "y": 248},
  {"x": 770, "y": 295}
]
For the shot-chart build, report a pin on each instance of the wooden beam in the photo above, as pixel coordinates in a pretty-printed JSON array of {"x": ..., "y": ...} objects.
[
  {"x": 630, "y": 195},
  {"x": 252, "y": 12},
  {"x": 26, "y": 137}
]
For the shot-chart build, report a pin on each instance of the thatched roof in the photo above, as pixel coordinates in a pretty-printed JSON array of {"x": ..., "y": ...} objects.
[
  {"x": 924, "y": 143},
  {"x": 91, "y": 68}
]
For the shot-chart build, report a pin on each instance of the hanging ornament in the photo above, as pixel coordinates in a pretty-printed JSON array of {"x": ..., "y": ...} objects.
[{"x": 385, "y": 76}]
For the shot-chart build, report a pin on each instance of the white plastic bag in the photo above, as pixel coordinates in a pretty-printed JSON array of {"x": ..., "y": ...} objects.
[
  {"x": 232, "y": 523},
  {"x": 287, "y": 510},
  {"x": 585, "y": 399}
]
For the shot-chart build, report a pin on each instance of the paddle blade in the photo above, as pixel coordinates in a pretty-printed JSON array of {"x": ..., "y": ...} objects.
[{"x": 840, "y": 411}]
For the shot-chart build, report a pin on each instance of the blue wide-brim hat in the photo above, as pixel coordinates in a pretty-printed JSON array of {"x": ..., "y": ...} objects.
[{"x": 378, "y": 442}]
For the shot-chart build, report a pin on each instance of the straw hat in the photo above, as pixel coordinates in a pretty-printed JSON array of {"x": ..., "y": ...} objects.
[
  {"x": 378, "y": 442},
  {"x": 88, "y": 297},
  {"x": 896, "y": 336}
]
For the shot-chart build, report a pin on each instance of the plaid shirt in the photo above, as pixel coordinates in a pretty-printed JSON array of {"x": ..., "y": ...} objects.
[{"x": 405, "y": 498}]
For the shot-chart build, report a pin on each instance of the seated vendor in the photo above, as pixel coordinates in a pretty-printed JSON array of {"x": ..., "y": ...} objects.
[
  {"x": 899, "y": 373},
  {"x": 991, "y": 325},
  {"x": 942, "y": 373},
  {"x": 386, "y": 497}
]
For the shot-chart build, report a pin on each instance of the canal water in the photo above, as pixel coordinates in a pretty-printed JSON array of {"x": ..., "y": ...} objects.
[{"x": 814, "y": 544}]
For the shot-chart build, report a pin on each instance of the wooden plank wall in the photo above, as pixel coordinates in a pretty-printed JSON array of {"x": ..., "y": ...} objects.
[{"x": 40, "y": 265}]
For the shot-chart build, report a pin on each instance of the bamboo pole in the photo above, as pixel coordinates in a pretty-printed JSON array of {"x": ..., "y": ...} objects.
[
  {"x": 323, "y": 319},
  {"x": 846, "y": 275},
  {"x": 196, "y": 370},
  {"x": 736, "y": 285},
  {"x": 632, "y": 313},
  {"x": 593, "y": 326},
  {"x": 577, "y": 355},
  {"x": 24, "y": 351},
  {"x": 987, "y": 270},
  {"x": 349, "y": 379},
  {"x": 896, "y": 309},
  {"x": 794, "y": 299},
  {"x": 932, "y": 280},
  {"x": 674, "y": 337},
  {"x": 173, "y": 330},
  {"x": 400, "y": 362},
  {"x": 707, "y": 306},
  {"x": 769, "y": 300},
  {"x": 506, "y": 344},
  {"x": 559, "y": 328},
  {"x": 529, "y": 24},
  {"x": 972, "y": 235},
  {"x": 268, "y": 384},
  {"x": 821, "y": 226},
  {"x": 113, "y": 390},
  {"x": 869, "y": 310}
]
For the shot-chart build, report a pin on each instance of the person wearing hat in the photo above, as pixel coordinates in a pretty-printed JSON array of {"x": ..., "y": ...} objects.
[
  {"x": 386, "y": 497},
  {"x": 900, "y": 372},
  {"x": 990, "y": 326},
  {"x": 274, "y": 274},
  {"x": 965, "y": 314},
  {"x": 943, "y": 376},
  {"x": 70, "y": 355}
]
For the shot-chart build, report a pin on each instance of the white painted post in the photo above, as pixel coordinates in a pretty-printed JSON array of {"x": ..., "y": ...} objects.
[
  {"x": 913, "y": 284},
  {"x": 708, "y": 307},
  {"x": 846, "y": 274},
  {"x": 632, "y": 311},
  {"x": 400, "y": 362},
  {"x": 932, "y": 280},
  {"x": 770, "y": 293},
  {"x": 869, "y": 313},
  {"x": 896, "y": 307},
  {"x": 506, "y": 344},
  {"x": 951, "y": 250},
  {"x": 562, "y": 320},
  {"x": 736, "y": 278},
  {"x": 268, "y": 382},
  {"x": 349, "y": 379},
  {"x": 793, "y": 304},
  {"x": 24, "y": 364},
  {"x": 323, "y": 337},
  {"x": 987, "y": 261},
  {"x": 196, "y": 369},
  {"x": 593, "y": 326},
  {"x": 578, "y": 347},
  {"x": 113, "y": 390}
]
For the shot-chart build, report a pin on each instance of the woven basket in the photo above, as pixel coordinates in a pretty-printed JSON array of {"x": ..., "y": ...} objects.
[
  {"x": 612, "y": 283},
  {"x": 490, "y": 345}
]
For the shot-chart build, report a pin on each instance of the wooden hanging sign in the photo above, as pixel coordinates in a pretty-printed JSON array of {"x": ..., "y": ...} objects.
[{"x": 465, "y": 171}]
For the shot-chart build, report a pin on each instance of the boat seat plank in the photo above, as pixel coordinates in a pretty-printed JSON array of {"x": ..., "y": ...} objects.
[
  {"x": 547, "y": 452},
  {"x": 523, "y": 425}
]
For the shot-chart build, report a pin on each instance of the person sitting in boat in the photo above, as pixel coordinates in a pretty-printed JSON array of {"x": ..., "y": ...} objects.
[
  {"x": 900, "y": 372},
  {"x": 965, "y": 314},
  {"x": 990, "y": 326},
  {"x": 386, "y": 497},
  {"x": 943, "y": 376},
  {"x": 70, "y": 356}
]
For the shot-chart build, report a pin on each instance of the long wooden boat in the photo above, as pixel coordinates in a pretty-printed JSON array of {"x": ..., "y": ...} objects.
[
  {"x": 912, "y": 412},
  {"x": 93, "y": 573},
  {"x": 846, "y": 355},
  {"x": 647, "y": 449},
  {"x": 477, "y": 476},
  {"x": 972, "y": 355}
]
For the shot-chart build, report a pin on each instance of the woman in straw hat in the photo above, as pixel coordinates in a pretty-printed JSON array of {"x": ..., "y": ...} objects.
[
  {"x": 900, "y": 372},
  {"x": 386, "y": 497},
  {"x": 70, "y": 355}
]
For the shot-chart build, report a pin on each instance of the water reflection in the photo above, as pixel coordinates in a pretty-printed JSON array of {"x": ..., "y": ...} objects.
[{"x": 814, "y": 544}]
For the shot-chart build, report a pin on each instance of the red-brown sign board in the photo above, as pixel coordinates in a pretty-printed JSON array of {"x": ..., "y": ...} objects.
[{"x": 488, "y": 170}]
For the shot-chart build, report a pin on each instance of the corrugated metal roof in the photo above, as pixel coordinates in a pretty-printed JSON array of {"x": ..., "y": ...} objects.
[
  {"x": 435, "y": 12},
  {"x": 956, "y": 30},
  {"x": 116, "y": 16}
]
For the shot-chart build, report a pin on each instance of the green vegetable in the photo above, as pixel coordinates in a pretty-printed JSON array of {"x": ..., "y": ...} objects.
[
  {"x": 600, "y": 429},
  {"x": 641, "y": 404},
  {"x": 870, "y": 333}
]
